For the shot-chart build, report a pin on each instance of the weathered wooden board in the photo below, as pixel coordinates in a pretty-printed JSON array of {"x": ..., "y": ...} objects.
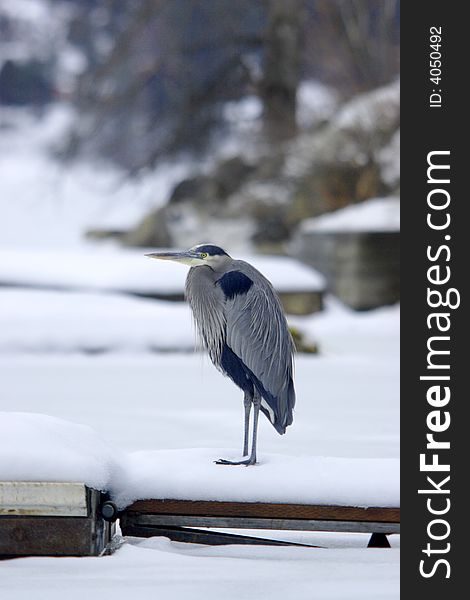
[
  {"x": 50, "y": 536},
  {"x": 33, "y": 498},
  {"x": 265, "y": 510}
]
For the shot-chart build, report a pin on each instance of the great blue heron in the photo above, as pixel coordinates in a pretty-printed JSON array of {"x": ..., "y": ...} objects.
[{"x": 241, "y": 323}]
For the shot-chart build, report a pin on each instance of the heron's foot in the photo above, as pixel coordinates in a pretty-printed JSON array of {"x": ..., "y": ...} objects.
[{"x": 247, "y": 462}]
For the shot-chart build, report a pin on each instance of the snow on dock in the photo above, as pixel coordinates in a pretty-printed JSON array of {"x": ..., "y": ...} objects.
[{"x": 41, "y": 448}]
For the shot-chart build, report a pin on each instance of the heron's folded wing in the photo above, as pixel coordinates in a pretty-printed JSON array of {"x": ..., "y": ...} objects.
[{"x": 256, "y": 330}]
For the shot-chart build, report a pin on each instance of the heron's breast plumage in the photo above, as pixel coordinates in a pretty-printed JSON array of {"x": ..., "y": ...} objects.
[{"x": 206, "y": 302}]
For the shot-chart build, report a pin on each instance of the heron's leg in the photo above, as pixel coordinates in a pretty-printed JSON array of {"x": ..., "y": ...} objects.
[
  {"x": 248, "y": 399},
  {"x": 256, "y": 405},
  {"x": 252, "y": 459}
]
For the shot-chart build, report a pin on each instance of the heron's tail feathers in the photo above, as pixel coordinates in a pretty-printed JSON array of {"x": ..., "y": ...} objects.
[{"x": 279, "y": 410}]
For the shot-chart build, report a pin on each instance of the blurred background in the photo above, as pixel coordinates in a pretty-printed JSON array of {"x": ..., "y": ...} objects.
[{"x": 269, "y": 127}]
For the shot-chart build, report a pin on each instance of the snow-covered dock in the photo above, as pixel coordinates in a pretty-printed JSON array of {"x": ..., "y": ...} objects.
[
  {"x": 294, "y": 491},
  {"x": 70, "y": 519},
  {"x": 59, "y": 450}
]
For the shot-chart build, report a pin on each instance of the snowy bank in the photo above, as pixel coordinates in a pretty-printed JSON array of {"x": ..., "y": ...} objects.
[
  {"x": 113, "y": 269},
  {"x": 376, "y": 214},
  {"x": 41, "y": 448},
  {"x": 49, "y": 321}
]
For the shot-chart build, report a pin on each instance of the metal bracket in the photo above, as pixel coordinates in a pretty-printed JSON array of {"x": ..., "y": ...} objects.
[{"x": 201, "y": 536}]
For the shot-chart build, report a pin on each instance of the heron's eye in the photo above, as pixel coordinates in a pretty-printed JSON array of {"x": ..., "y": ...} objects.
[{"x": 204, "y": 255}]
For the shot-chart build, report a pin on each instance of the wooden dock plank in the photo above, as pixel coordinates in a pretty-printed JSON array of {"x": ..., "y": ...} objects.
[{"x": 264, "y": 510}]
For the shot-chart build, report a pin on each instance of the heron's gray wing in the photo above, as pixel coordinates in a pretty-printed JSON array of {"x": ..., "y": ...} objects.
[{"x": 257, "y": 332}]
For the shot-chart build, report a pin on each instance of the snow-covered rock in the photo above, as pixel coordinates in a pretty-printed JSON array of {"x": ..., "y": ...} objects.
[
  {"x": 376, "y": 214},
  {"x": 353, "y": 158}
]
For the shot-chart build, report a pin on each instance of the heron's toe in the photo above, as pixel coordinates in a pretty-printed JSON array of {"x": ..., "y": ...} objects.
[{"x": 247, "y": 462}]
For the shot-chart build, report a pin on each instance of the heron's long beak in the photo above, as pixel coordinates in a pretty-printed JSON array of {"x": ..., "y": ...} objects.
[{"x": 183, "y": 257}]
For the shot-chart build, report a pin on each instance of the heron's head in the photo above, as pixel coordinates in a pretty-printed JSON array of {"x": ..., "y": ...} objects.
[{"x": 202, "y": 255}]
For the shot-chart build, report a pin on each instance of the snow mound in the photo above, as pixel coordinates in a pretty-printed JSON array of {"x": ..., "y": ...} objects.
[
  {"x": 376, "y": 214},
  {"x": 36, "y": 447}
]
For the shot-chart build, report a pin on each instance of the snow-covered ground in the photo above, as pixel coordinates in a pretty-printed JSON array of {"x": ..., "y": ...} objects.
[
  {"x": 158, "y": 568},
  {"x": 143, "y": 403},
  {"x": 347, "y": 407},
  {"x": 347, "y": 395},
  {"x": 51, "y": 321}
]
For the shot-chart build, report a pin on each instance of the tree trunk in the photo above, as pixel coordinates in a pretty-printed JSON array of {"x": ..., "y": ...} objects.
[{"x": 281, "y": 68}]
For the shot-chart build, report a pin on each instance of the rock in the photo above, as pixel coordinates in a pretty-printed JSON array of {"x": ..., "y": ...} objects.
[
  {"x": 271, "y": 227},
  {"x": 105, "y": 234},
  {"x": 226, "y": 179},
  {"x": 200, "y": 188},
  {"x": 151, "y": 231},
  {"x": 329, "y": 186},
  {"x": 266, "y": 204},
  {"x": 302, "y": 303},
  {"x": 346, "y": 161},
  {"x": 230, "y": 174},
  {"x": 270, "y": 164},
  {"x": 302, "y": 343}
]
